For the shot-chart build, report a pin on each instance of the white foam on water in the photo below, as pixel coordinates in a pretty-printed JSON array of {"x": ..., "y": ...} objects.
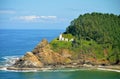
[
  {"x": 55, "y": 70},
  {"x": 10, "y": 60},
  {"x": 108, "y": 69},
  {"x": 3, "y": 68},
  {"x": 44, "y": 70},
  {"x": 21, "y": 70}
]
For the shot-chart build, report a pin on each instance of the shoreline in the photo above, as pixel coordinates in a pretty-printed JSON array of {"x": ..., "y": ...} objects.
[
  {"x": 103, "y": 68},
  {"x": 110, "y": 68}
]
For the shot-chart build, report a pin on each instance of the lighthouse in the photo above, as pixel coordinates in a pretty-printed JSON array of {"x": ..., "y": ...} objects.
[{"x": 60, "y": 37}]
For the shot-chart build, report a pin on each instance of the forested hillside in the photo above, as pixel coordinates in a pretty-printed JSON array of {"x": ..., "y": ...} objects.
[{"x": 99, "y": 33}]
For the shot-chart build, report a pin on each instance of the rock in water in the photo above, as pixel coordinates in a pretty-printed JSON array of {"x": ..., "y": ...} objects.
[{"x": 28, "y": 61}]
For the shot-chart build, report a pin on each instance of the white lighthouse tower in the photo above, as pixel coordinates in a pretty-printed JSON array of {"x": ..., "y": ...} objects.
[{"x": 60, "y": 37}]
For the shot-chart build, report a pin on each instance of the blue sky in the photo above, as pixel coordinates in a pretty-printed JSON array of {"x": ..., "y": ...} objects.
[{"x": 50, "y": 14}]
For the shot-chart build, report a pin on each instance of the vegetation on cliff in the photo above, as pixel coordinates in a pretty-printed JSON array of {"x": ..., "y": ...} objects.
[
  {"x": 42, "y": 56},
  {"x": 97, "y": 36},
  {"x": 96, "y": 42}
]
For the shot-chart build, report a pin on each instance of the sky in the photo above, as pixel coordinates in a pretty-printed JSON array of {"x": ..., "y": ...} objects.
[{"x": 50, "y": 14}]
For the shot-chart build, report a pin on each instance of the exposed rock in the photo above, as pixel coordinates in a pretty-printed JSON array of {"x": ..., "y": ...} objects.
[
  {"x": 42, "y": 55},
  {"x": 39, "y": 47},
  {"x": 52, "y": 58},
  {"x": 102, "y": 62},
  {"x": 49, "y": 57},
  {"x": 28, "y": 61},
  {"x": 66, "y": 53}
]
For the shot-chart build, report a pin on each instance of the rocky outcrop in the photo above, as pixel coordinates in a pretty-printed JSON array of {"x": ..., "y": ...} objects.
[
  {"x": 47, "y": 56},
  {"x": 41, "y": 56},
  {"x": 66, "y": 53},
  {"x": 28, "y": 61},
  {"x": 41, "y": 47}
]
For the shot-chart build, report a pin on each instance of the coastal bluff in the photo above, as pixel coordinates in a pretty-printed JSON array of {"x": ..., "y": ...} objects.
[
  {"x": 42, "y": 56},
  {"x": 85, "y": 42}
]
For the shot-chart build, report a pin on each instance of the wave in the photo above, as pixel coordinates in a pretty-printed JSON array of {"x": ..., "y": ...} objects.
[
  {"x": 108, "y": 69},
  {"x": 9, "y": 60},
  {"x": 35, "y": 70},
  {"x": 5, "y": 69},
  {"x": 59, "y": 70}
]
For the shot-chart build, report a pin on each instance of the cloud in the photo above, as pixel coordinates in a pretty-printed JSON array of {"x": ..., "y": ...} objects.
[
  {"x": 7, "y": 12},
  {"x": 27, "y": 18},
  {"x": 34, "y": 18},
  {"x": 39, "y": 19},
  {"x": 48, "y": 17}
]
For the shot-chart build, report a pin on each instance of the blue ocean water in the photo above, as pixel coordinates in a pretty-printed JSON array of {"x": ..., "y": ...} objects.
[{"x": 15, "y": 43}]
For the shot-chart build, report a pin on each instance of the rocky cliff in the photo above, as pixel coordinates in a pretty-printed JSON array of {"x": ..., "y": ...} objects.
[{"x": 42, "y": 56}]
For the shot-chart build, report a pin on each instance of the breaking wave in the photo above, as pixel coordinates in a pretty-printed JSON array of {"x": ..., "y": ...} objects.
[
  {"x": 8, "y": 60},
  {"x": 54, "y": 70}
]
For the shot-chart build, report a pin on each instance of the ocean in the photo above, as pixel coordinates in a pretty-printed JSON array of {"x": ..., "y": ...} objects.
[{"x": 15, "y": 43}]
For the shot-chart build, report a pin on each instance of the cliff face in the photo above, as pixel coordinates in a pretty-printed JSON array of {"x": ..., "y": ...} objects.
[
  {"x": 29, "y": 60},
  {"x": 47, "y": 56},
  {"x": 42, "y": 55}
]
